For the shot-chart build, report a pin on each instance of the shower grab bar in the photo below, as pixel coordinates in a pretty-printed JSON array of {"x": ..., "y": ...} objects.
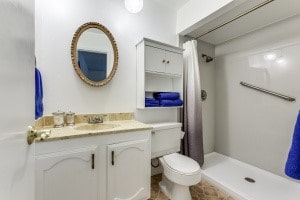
[{"x": 287, "y": 98}]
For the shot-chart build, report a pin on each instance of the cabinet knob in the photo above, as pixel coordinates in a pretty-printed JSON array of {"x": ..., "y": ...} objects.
[
  {"x": 168, "y": 62},
  {"x": 164, "y": 61}
]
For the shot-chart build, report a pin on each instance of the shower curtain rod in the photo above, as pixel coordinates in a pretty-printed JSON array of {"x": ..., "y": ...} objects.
[{"x": 235, "y": 18}]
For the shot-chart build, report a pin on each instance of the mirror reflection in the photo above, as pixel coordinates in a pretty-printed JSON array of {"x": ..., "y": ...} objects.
[{"x": 95, "y": 54}]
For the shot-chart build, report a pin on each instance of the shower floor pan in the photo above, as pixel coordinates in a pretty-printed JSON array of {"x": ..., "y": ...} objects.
[{"x": 246, "y": 182}]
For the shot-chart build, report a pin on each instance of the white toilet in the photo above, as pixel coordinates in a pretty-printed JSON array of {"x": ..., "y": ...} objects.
[{"x": 179, "y": 171}]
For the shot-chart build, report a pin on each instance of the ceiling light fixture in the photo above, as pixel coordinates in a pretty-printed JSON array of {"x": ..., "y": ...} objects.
[{"x": 134, "y": 6}]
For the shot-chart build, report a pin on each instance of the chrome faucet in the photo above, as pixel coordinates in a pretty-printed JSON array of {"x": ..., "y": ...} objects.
[{"x": 94, "y": 119}]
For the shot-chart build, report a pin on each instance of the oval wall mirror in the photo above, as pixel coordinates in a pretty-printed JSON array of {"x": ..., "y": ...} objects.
[{"x": 94, "y": 54}]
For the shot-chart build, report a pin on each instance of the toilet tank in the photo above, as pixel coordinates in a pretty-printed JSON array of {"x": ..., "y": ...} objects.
[{"x": 166, "y": 138}]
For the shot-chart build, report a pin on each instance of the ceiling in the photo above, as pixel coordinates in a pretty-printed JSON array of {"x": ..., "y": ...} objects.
[
  {"x": 174, "y": 4},
  {"x": 274, "y": 12}
]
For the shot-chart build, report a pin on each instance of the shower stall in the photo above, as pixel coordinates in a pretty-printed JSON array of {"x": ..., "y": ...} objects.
[{"x": 253, "y": 89}]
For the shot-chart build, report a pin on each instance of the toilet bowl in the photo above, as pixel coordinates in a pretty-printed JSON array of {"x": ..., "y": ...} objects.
[{"x": 179, "y": 171}]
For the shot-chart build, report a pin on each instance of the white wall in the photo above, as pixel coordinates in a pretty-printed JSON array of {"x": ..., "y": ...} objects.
[
  {"x": 251, "y": 126},
  {"x": 57, "y": 21},
  {"x": 207, "y": 74},
  {"x": 17, "y": 99}
]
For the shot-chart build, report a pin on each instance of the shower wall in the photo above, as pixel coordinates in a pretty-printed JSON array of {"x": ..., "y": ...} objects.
[
  {"x": 207, "y": 73},
  {"x": 254, "y": 127}
]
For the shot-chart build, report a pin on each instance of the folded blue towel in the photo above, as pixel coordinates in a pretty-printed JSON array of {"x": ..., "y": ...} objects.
[
  {"x": 292, "y": 167},
  {"x": 150, "y": 102},
  {"x": 39, "y": 107},
  {"x": 151, "y": 105},
  {"x": 170, "y": 103},
  {"x": 166, "y": 95}
]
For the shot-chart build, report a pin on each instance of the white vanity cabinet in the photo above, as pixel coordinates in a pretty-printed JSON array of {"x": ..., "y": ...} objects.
[
  {"x": 83, "y": 168},
  {"x": 128, "y": 170},
  {"x": 159, "y": 69},
  {"x": 68, "y": 175}
]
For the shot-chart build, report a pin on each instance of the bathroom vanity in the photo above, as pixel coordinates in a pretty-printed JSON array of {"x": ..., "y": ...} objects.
[{"x": 103, "y": 161}]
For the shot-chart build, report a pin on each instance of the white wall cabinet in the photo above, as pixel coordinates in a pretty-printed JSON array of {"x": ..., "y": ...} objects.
[
  {"x": 128, "y": 170},
  {"x": 174, "y": 63},
  {"x": 82, "y": 169},
  {"x": 159, "y": 69},
  {"x": 70, "y": 175},
  {"x": 162, "y": 61},
  {"x": 155, "y": 59}
]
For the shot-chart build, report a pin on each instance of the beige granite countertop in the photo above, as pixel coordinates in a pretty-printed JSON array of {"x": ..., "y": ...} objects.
[{"x": 69, "y": 132}]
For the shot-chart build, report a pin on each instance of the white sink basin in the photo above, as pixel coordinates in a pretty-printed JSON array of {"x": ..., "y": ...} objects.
[{"x": 94, "y": 127}]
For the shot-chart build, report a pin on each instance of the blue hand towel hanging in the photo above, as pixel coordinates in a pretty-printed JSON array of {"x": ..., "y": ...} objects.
[
  {"x": 292, "y": 167},
  {"x": 39, "y": 107}
]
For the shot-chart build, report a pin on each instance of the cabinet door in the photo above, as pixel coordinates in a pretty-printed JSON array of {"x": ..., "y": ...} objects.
[
  {"x": 174, "y": 63},
  {"x": 67, "y": 175},
  {"x": 129, "y": 171},
  {"x": 155, "y": 59}
]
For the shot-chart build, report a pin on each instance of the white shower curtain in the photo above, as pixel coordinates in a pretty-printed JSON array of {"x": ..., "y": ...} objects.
[{"x": 191, "y": 116}]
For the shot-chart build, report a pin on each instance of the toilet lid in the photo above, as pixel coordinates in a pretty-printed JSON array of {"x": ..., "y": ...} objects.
[{"x": 181, "y": 164}]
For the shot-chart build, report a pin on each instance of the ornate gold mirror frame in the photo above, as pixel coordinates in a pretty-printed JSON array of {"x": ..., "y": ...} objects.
[{"x": 75, "y": 39}]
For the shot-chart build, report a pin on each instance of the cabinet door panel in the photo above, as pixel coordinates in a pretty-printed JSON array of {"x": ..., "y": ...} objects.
[
  {"x": 174, "y": 63},
  {"x": 155, "y": 59},
  {"x": 66, "y": 176},
  {"x": 129, "y": 171}
]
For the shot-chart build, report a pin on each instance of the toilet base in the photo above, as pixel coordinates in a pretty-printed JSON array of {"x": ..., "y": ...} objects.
[{"x": 174, "y": 191}]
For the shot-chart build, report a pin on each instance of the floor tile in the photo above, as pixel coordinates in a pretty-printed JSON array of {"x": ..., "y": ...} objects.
[{"x": 202, "y": 191}]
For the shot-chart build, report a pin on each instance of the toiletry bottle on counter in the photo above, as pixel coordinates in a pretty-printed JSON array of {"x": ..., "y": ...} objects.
[
  {"x": 58, "y": 118},
  {"x": 70, "y": 118}
]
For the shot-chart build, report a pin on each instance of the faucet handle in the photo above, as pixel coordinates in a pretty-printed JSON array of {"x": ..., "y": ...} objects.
[
  {"x": 95, "y": 119},
  {"x": 91, "y": 119},
  {"x": 99, "y": 118}
]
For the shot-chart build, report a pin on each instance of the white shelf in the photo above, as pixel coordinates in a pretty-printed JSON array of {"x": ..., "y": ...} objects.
[
  {"x": 163, "y": 74},
  {"x": 153, "y": 108},
  {"x": 155, "y": 91}
]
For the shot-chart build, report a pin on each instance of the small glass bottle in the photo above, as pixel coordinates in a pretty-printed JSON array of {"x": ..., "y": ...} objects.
[
  {"x": 58, "y": 118},
  {"x": 70, "y": 118}
]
